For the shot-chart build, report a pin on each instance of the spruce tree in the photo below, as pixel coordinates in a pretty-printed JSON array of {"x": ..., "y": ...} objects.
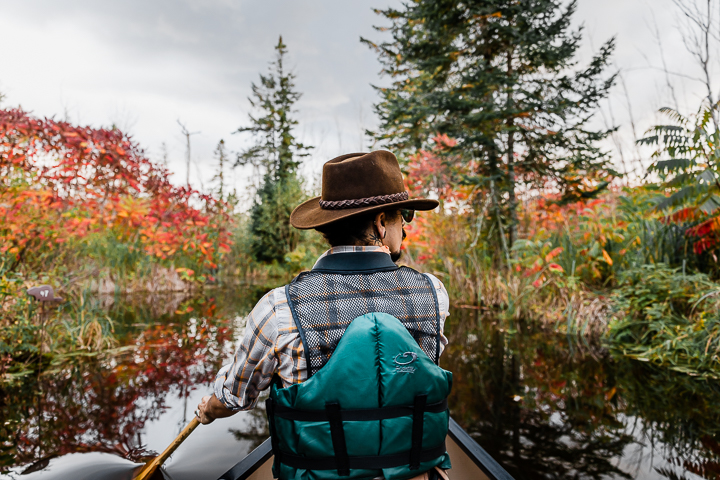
[
  {"x": 500, "y": 77},
  {"x": 276, "y": 155}
]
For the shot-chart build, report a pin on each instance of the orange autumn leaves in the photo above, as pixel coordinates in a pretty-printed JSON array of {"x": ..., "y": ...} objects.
[
  {"x": 542, "y": 265},
  {"x": 67, "y": 183}
]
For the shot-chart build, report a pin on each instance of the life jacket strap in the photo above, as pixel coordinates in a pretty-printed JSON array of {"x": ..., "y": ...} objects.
[
  {"x": 277, "y": 453},
  {"x": 417, "y": 430},
  {"x": 377, "y": 462},
  {"x": 335, "y": 418},
  {"x": 357, "y": 415}
]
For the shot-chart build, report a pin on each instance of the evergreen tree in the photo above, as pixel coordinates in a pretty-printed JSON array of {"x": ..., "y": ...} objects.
[
  {"x": 276, "y": 155},
  {"x": 500, "y": 77}
]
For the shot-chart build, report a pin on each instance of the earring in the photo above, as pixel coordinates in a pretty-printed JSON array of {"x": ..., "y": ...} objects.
[{"x": 385, "y": 234}]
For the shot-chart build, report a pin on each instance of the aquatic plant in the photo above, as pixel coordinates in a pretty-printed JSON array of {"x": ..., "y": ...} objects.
[{"x": 669, "y": 318}]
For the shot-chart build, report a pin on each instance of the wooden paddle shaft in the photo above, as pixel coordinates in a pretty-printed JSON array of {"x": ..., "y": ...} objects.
[{"x": 153, "y": 464}]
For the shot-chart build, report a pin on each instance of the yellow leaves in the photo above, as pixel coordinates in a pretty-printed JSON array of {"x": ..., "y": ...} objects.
[
  {"x": 606, "y": 257},
  {"x": 492, "y": 15},
  {"x": 185, "y": 273},
  {"x": 133, "y": 208},
  {"x": 610, "y": 394}
]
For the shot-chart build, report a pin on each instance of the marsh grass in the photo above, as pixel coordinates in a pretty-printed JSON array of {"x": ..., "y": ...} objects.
[
  {"x": 668, "y": 318},
  {"x": 545, "y": 295},
  {"x": 606, "y": 272},
  {"x": 35, "y": 336},
  {"x": 86, "y": 324}
]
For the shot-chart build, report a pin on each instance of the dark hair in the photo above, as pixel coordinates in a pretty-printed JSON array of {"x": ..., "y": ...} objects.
[{"x": 353, "y": 230}]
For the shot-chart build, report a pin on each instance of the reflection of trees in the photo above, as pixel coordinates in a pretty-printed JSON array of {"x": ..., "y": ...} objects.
[
  {"x": 101, "y": 403},
  {"x": 677, "y": 410},
  {"x": 546, "y": 411},
  {"x": 256, "y": 431},
  {"x": 540, "y": 411}
]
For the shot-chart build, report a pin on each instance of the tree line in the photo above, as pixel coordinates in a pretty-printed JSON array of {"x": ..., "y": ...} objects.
[{"x": 500, "y": 78}]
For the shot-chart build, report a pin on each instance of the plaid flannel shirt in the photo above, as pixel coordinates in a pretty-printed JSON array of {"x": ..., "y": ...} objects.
[{"x": 271, "y": 345}]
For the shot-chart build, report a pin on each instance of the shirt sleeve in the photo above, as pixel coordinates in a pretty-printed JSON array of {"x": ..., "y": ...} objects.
[
  {"x": 238, "y": 384},
  {"x": 443, "y": 307}
]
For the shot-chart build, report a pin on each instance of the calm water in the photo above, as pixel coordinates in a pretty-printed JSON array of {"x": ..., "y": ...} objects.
[{"x": 545, "y": 406}]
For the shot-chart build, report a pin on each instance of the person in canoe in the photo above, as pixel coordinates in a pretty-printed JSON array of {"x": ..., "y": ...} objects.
[{"x": 349, "y": 349}]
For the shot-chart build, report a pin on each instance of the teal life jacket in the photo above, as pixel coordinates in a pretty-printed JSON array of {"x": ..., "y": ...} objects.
[{"x": 377, "y": 403}]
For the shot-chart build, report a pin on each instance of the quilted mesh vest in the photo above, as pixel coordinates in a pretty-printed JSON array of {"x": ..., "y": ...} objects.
[{"x": 375, "y": 402}]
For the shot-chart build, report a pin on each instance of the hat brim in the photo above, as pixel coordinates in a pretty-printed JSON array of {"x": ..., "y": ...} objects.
[{"x": 309, "y": 214}]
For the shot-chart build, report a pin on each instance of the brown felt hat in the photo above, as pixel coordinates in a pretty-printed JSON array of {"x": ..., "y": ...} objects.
[{"x": 357, "y": 183}]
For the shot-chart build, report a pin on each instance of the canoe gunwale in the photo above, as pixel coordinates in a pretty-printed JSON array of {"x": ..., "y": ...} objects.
[
  {"x": 477, "y": 454},
  {"x": 255, "y": 459},
  {"x": 247, "y": 466}
]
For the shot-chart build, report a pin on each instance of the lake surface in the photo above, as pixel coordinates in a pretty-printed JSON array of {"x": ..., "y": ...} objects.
[{"x": 544, "y": 405}]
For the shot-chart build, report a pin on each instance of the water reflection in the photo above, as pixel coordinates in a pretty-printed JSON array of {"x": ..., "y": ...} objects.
[
  {"x": 170, "y": 347},
  {"x": 549, "y": 407},
  {"x": 545, "y": 406}
]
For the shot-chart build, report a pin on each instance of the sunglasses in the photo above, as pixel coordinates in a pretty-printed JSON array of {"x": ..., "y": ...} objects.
[{"x": 407, "y": 215}]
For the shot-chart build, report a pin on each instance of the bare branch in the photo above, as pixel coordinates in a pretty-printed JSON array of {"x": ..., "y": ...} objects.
[
  {"x": 658, "y": 40},
  {"x": 187, "y": 134},
  {"x": 697, "y": 32}
]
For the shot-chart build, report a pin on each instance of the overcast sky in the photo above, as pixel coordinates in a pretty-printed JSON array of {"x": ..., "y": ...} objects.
[{"x": 144, "y": 65}]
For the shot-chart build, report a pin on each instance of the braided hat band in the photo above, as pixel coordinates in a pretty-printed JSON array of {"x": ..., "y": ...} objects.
[{"x": 364, "y": 202}]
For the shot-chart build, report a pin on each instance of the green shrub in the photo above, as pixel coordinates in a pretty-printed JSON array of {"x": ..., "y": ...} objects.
[{"x": 668, "y": 317}]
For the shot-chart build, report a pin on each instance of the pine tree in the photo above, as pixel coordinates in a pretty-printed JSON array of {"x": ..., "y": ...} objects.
[
  {"x": 499, "y": 77},
  {"x": 276, "y": 155}
]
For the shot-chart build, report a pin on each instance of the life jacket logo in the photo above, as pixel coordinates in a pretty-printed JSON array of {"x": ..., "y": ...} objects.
[{"x": 402, "y": 362}]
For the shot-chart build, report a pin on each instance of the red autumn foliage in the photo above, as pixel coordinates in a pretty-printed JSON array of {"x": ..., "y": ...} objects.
[
  {"x": 706, "y": 235},
  {"x": 63, "y": 182},
  {"x": 430, "y": 173}
]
